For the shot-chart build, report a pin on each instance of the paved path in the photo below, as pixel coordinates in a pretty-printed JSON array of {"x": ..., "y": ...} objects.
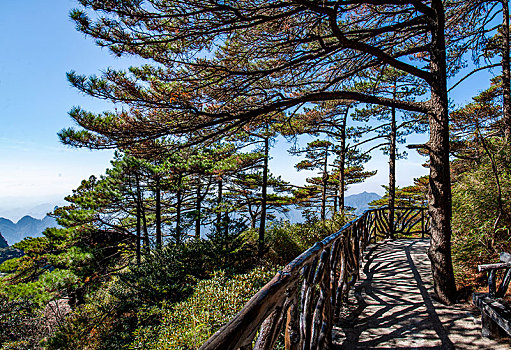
[{"x": 392, "y": 307}]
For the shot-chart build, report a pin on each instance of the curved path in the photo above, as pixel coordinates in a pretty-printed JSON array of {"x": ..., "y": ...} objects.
[{"x": 392, "y": 307}]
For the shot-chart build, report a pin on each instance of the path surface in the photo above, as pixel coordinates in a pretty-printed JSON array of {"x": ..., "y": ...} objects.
[{"x": 393, "y": 309}]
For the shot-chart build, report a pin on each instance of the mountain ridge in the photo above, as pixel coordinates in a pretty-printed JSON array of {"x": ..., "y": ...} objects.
[
  {"x": 27, "y": 226},
  {"x": 360, "y": 201}
]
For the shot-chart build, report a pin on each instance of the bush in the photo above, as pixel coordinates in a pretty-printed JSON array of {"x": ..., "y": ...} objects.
[
  {"x": 164, "y": 275},
  {"x": 163, "y": 303},
  {"x": 285, "y": 241},
  {"x": 230, "y": 246},
  {"x": 475, "y": 239},
  {"x": 188, "y": 324},
  {"x": 133, "y": 299},
  {"x": 20, "y": 325}
]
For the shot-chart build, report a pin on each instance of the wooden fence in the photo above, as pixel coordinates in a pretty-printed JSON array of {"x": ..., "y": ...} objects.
[{"x": 298, "y": 307}]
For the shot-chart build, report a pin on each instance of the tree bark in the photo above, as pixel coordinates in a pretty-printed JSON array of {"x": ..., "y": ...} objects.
[
  {"x": 139, "y": 214},
  {"x": 324, "y": 186},
  {"x": 219, "y": 202},
  {"x": 392, "y": 166},
  {"x": 262, "y": 223},
  {"x": 439, "y": 195},
  {"x": 147, "y": 244},
  {"x": 506, "y": 85},
  {"x": 342, "y": 162},
  {"x": 500, "y": 203},
  {"x": 158, "y": 212},
  {"x": 179, "y": 203},
  {"x": 198, "y": 208},
  {"x": 336, "y": 195}
]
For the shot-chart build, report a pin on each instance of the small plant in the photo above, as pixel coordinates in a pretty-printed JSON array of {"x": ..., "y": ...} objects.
[{"x": 188, "y": 324}]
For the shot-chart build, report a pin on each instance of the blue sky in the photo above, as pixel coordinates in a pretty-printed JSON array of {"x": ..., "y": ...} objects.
[{"x": 39, "y": 45}]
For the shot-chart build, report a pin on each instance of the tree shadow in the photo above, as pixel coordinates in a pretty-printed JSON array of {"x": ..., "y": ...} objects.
[{"x": 392, "y": 308}]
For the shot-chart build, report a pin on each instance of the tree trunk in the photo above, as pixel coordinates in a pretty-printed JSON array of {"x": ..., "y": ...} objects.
[
  {"x": 253, "y": 214},
  {"x": 262, "y": 224},
  {"x": 392, "y": 167},
  {"x": 324, "y": 186},
  {"x": 198, "y": 208},
  {"x": 500, "y": 203},
  {"x": 139, "y": 214},
  {"x": 342, "y": 162},
  {"x": 336, "y": 195},
  {"x": 439, "y": 195},
  {"x": 146, "y": 241},
  {"x": 179, "y": 202},
  {"x": 219, "y": 203},
  {"x": 158, "y": 212},
  {"x": 506, "y": 85},
  {"x": 147, "y": 244}
]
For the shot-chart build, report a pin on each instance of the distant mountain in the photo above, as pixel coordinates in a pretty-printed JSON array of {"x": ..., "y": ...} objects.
[
  {"x": 360, "y": 201},
  {"x": 27, "y": 226},
  {"x": 3, "y": 242}
]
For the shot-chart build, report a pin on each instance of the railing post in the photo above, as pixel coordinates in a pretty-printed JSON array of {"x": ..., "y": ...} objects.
[{"x": 292, "y": 330}]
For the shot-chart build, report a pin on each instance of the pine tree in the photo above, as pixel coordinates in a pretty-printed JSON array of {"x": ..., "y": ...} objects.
[
  {"x": 260, "y": 63},
  {"x": 394, "y": 125}
]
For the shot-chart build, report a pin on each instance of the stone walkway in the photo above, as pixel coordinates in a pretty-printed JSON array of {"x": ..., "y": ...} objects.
[{"x": 392, "y": 306}]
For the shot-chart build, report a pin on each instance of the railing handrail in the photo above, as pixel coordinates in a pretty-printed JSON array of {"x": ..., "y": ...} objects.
[{"x": 266, "y": 310}]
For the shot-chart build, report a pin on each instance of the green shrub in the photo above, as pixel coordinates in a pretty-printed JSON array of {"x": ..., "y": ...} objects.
[
  {"x": 474, "y": 215},
  {"x": 285, "y": 241},
  {"x": 163, "y": 303},
  {"x": 476, "y": 238},
  {"x": 133, "y": 299},
  {"x": 39, "y": 292},
  {"x": 20, "y": 326},
  {"x": 92, "y": 324},
  {"x": 163, "y": 275},
  {"x": 230, "y": 246},
  {"x": 188, "y": 324}
]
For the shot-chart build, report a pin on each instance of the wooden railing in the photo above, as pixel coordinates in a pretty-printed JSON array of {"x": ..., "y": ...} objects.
[
  {"x": 298, "y": 307},
  {"x": 408, "y": 221}
]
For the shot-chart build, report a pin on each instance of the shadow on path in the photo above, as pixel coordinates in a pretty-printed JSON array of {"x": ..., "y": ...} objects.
[{"x": 392, "y": 308}]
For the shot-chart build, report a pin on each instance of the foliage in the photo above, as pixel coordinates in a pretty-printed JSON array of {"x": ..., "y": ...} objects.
[
  {"x": 109, "y": 320},
  {"x": 20, "y": 326},
  {"x": 134, "y": 298},
  {"x": 186, "y": 325},
  {"x": 476, "y": 239},
  {"x": 8, "y": 254},
  {"x": 164, "y": 275},
  {"x": 327, "y": 187},
  {"x": 74, "y": 257},
  {"x": 258, "y": 70},
  {"x": 146, "y": 303},
  {"x": 285, "y": 241},
  {"x": 227, "y": 246},
  {"x": 93, "y": 323},
  {"x": 408, "y": 196}
]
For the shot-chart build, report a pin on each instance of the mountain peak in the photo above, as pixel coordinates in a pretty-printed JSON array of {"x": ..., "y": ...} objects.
[
  {"x": 361, "y": 201},
  {"x": 26, "y": 218},
  {"x": 27, "y": 226}
]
